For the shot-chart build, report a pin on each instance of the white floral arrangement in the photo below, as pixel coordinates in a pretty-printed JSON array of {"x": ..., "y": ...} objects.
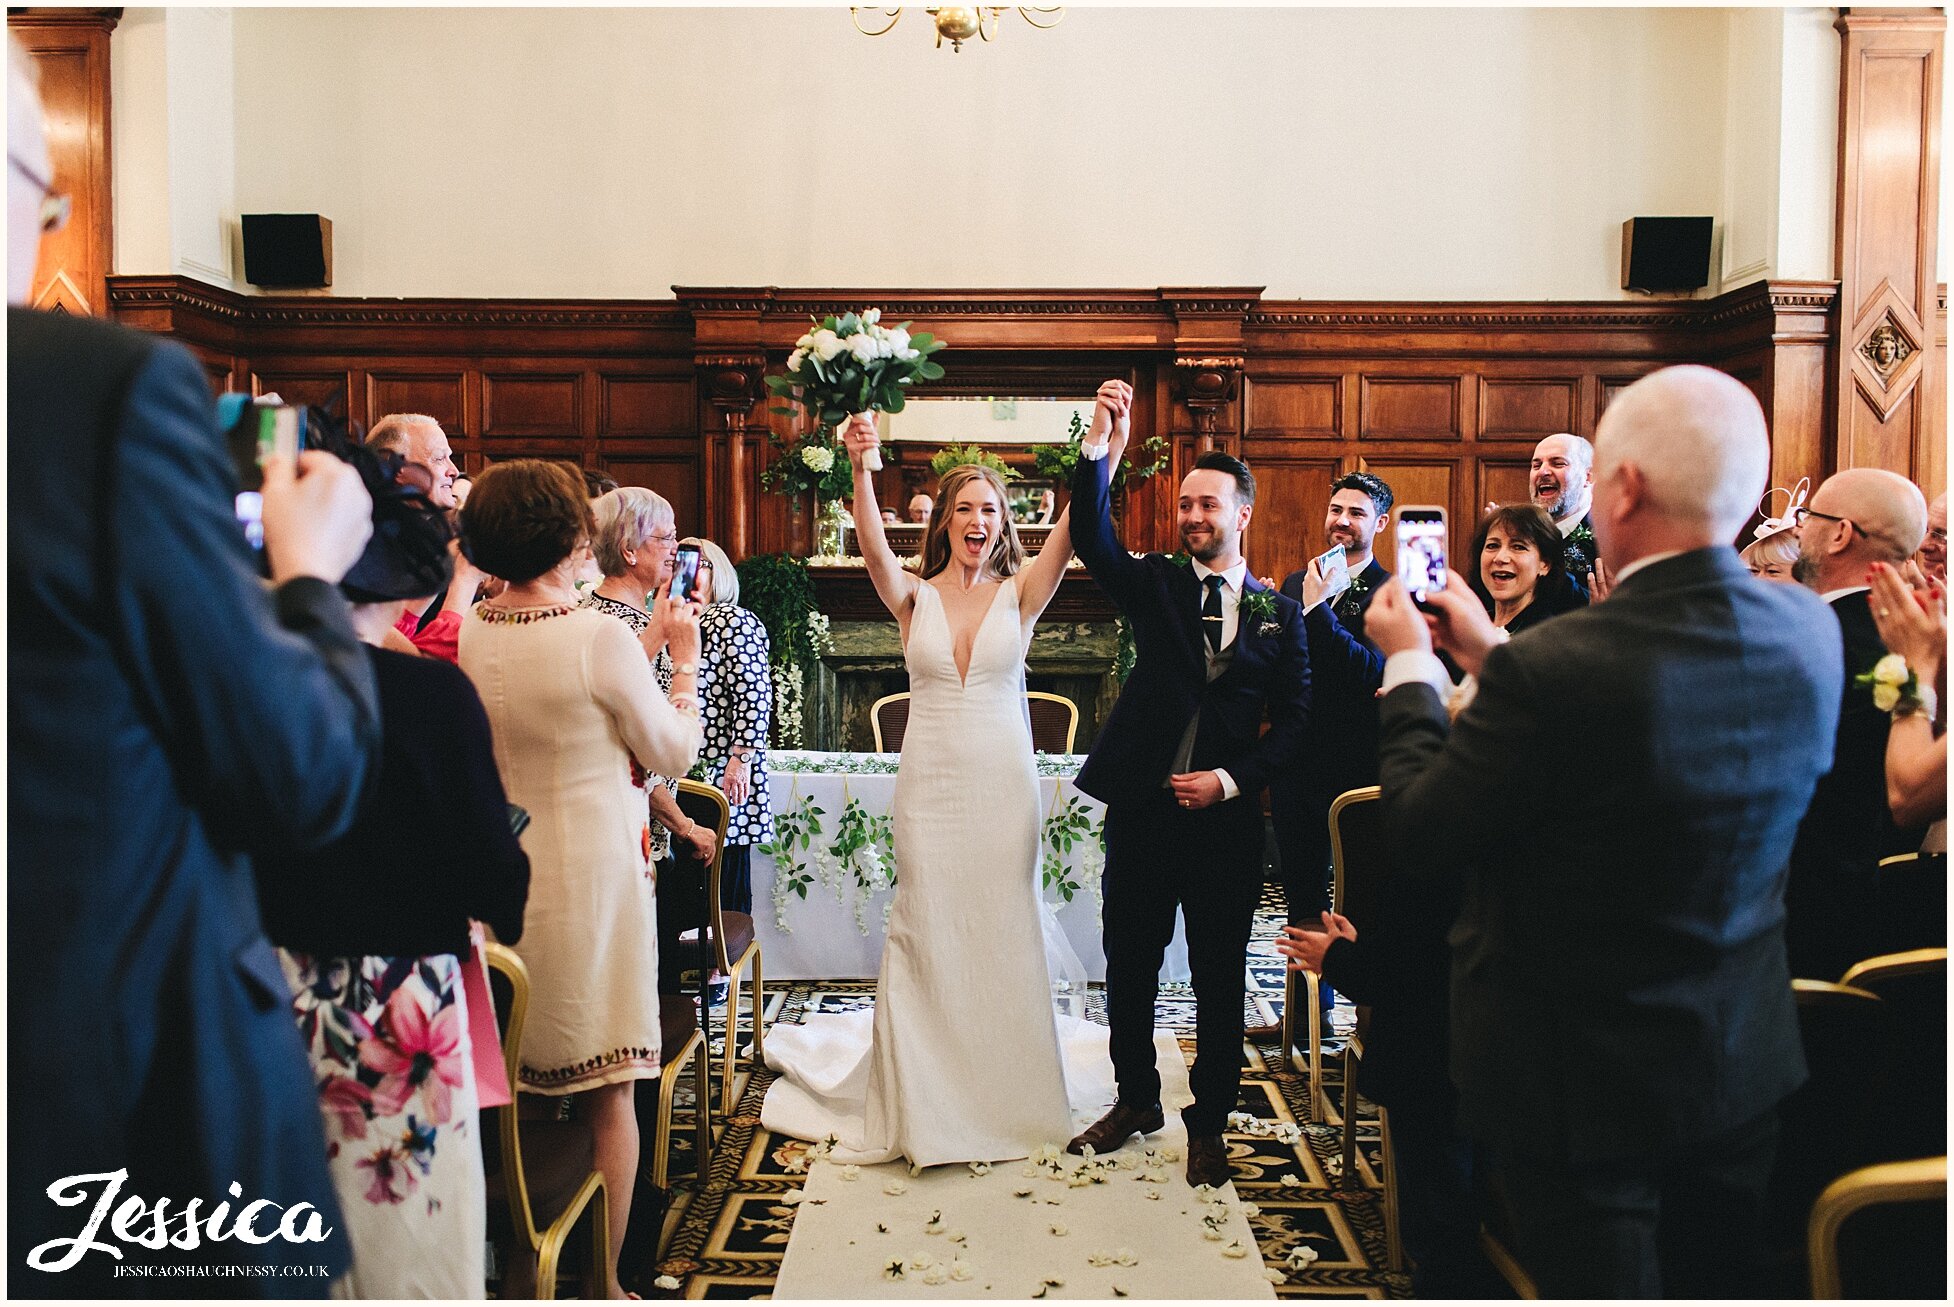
[{"x": 843, "y": 365}]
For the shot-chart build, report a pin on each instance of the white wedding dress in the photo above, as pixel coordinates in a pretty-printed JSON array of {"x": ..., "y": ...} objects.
[{"x": 962, "y": 1060}]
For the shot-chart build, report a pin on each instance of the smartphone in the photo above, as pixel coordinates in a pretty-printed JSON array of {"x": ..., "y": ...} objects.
[
  {"x": 1334, "y": 568},
  {"x": 1421, "y": 550},
  {"x": 685, "y": 572},
  {"x": 254, "y": 432}
]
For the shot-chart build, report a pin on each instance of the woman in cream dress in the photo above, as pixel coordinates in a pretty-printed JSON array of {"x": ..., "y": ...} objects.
[{"x": 573, "y": 704}]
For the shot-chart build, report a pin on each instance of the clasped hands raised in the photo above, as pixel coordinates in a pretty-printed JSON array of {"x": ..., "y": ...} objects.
[{"x": 1453, "y": 620}]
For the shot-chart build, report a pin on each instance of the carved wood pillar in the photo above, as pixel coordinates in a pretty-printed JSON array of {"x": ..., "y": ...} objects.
[
  {"x": 1889, "y": 375},
  {"x": 71, "y": 46},
  {"x": 1209, "y": 387},
  {"x": 731, "y": 385}
]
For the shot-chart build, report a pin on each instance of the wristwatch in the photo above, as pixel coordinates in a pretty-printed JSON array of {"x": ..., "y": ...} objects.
[{"x": 686, "y": 669}]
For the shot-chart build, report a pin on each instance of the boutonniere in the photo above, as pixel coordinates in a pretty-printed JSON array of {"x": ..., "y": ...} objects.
[
  {"x": 1893, "y": 685},
  {"x": 1259, "y": 606},
  {"x": 1348, "y": 606}
]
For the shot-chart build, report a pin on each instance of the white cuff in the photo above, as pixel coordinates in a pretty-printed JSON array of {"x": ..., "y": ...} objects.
[
  {"x": 1229, "y": 790},
  {"x": 1094, "y": 452},
  {"x": 1419, "y": 667}
]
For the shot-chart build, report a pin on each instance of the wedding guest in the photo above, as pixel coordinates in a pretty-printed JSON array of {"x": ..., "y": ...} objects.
[
  {"x": 920, "y": 506},
  {"x": 1773, "y": 557},
  {"x": 1344, "y": 673},
  {"x": 889, "y": 517},
  {"x": 1520, "y": 568},
  {"x": 1932, "y": 556},
  {"x": 1912, "y": 896},
  {"x": 736, "y": 715},
  {"x": 597, "y": 484},
  {"x": 1856, "y": 518},
  {"x": 1622, "y": 1020},
  {"x": 374, "y": 927},
  {"x": 575, "y": 708},
  {"x": 1560, "y": 479},
  {"x": 169, "y": 717},
  {"x": 429, "y": 622},
  {"x": 634, "y": 544}
]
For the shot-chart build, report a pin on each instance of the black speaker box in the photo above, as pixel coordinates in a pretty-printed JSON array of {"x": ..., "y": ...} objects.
[
  {"x": 1665, "y": 253},
  {"x": 287, "y": 249}
]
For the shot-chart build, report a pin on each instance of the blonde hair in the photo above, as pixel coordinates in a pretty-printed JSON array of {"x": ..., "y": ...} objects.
[
  {"x": 1007, "y": 554},
  {"x": 725, "y": 580},
  {"x": 1779, "y": 547}
]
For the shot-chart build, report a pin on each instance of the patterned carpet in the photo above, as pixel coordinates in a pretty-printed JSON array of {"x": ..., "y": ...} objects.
[{"x": 724, "y": 1239}]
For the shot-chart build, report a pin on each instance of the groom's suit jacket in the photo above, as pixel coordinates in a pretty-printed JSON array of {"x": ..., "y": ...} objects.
[
  {"x": 1618, "y": 967},
  {"x": 1169, "y": 684}
]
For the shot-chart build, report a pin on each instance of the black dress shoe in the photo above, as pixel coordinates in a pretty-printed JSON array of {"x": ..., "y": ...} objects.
[
  {"x": 1116, "y": 1127},
  {"x": 1207, "y": 1161}
]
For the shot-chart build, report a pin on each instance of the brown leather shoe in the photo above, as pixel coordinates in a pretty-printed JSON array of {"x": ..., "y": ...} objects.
[
  {"x": 1116, "y": 1127},
  {"x": 1207, "y": 1161}
]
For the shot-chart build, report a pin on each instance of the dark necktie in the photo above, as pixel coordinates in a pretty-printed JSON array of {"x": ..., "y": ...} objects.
[{"x": 1211, "y": 611}]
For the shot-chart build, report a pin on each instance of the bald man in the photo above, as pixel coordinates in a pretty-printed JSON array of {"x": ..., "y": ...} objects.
[
  {"x": 1560, "y": 480},
  {"x": 1933, "y": 550},
  {"x": 1857, "y": 518},
  {"x": 1622, "y": 1028}
]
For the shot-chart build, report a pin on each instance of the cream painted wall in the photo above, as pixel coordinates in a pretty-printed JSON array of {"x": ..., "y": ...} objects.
[
  {"x": 1808, "y": 158},
  {"x": 1324, "y": 153},
  {"x": 139, "y": 130}
]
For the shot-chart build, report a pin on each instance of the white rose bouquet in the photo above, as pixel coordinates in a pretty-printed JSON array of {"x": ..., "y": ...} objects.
[{"x": 845, "y": 365}]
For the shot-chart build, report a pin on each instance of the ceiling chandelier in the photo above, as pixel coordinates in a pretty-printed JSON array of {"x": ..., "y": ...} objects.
[{"x": 957, "y": 24}]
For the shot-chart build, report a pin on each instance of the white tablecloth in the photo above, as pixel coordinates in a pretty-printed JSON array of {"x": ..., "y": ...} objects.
[{"x": 823, "y": 940}]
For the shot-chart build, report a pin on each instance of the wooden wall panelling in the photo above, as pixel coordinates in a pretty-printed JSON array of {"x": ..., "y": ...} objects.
[
  {"x": 1299, "y": 408},
  {"x": 1403, "y": 407},
  {"x": 1420, "y": 480},
  {"x": 1525, "y": 408},
  {"x": 71, "y": 47},
  {"x": 1890, "y": 76},
  {"x": 329, "y": 388}
]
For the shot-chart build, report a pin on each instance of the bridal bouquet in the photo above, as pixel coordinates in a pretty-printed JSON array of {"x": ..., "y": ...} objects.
[{"x": 844, "y": 365}]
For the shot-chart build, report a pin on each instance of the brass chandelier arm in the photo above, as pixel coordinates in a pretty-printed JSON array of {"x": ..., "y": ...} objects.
[
  {"x": 1057, "y": 11},
  {"x": 893, "y": 15}
]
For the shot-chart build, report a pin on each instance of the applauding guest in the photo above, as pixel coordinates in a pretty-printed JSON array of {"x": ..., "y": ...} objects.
[
  {"x": 1912, "y": 896},
  {"x": 577, "y": 717},
  {"x": 1561, "y": 481},
  {"x": 1856, "y": 518},
  {"x": 736, "y": 713},
  {"x": 1622, "y": 1025}
]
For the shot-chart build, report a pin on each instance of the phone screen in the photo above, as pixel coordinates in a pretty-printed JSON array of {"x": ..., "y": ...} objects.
[
  {"x": 685, "y": 572},
  {"x": 258, "y": 432},
  {"x": 1421, "y": 550}
]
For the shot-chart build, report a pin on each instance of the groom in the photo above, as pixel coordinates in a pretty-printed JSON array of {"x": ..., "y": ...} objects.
[{"x": 1180, "y": 765}]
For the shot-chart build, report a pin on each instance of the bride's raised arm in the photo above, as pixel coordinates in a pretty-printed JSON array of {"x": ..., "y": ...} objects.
[
  {"x": 895, "y": 585},
  {"x": 1039, "y": 580}
]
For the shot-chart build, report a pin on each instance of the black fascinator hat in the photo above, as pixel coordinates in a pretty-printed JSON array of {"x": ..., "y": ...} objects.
[{"x": 407, "y": 555}]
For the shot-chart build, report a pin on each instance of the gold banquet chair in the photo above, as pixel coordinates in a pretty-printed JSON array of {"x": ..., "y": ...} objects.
[
  {"x": 547, "y": 1197},
  {"x": 1054, "y": 721},
  {"x": 1893, "y": 1186},
  {"x": 888, "y": 719},
  {"x": 733, "y": 940}
]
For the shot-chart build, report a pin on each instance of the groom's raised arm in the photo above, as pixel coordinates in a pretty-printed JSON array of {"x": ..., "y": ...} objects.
[{"x": 1117, "y": 571}]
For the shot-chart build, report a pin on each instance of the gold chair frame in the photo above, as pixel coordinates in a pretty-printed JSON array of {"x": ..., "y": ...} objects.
[
  {"x": 1921, "y": 1180},
  {"x": 1071, "y": 729},
  {"x": 546, "y": 1246},
  {"x": 732, "y": 968}
]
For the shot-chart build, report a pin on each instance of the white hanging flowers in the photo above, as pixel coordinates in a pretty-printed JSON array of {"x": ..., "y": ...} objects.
[{"x": 669, "y": 1283}]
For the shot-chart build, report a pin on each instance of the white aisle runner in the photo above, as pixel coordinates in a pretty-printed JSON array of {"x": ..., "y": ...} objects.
[{"x": 1137, "y": 1231}]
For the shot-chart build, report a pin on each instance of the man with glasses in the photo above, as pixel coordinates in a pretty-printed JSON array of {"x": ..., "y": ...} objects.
[
  {"x": 1857, "y": 518},
  {"x": 1933, "y": 550}
]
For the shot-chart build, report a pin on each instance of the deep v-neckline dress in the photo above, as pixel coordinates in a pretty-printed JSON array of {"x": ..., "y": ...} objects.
[{"x": 961, "y": 1061}]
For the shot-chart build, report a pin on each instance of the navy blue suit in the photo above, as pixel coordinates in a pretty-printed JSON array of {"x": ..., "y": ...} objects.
[
  {"x": 168, "y": 717},
  {"x": 1622, "y": 1022},
  {"x": 1345, "y": 670},
  {"x": 1159, "y": 857}
]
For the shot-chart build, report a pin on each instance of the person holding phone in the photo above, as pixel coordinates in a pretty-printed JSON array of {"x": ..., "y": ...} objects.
[{"x": 577, "y": 717}]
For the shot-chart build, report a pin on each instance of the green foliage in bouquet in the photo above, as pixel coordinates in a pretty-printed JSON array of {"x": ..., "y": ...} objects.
[
  {"x": 1144, "y": 459},
  {"x": 957, "y": 455}
]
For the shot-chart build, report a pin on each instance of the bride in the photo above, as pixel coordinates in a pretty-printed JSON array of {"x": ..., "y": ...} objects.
[{"x": 962, "y": 1061}]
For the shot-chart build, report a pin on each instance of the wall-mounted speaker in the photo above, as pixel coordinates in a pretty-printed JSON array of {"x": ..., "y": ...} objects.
[
  {"x": 287, "y": 249},
  {"x": 1665, "y": 253}
]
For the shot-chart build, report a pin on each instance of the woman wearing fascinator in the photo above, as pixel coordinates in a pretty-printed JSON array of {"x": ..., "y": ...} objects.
[
  {"x": 1774, "y": 548},
  {"x": 372, "y": 929}
]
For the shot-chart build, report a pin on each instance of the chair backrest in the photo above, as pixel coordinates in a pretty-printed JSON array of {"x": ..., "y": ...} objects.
[
  {"x": 1357, "y": 852},
  {"x": 507, "y": 972},
  {"x": 1899, "y": 1206},
  {"x": 1054, "y": 721},
  {"x": 707, "y": 805},
  {"x": 1912, "y": 987},
  {"x": 888, "y": 718},
  {"x": 1823, "y": 1127}
]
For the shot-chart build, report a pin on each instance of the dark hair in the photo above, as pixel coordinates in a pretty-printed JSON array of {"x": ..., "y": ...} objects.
[
  {"x": 1216, "y": 461},
  {"x": 1380, "y": 494},
  {"x": 1532, "y": 523},
  {"x": 407, "y": 555},
  {"x": 596, "y": 484},
  {"x": 523, "y": 518}
]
